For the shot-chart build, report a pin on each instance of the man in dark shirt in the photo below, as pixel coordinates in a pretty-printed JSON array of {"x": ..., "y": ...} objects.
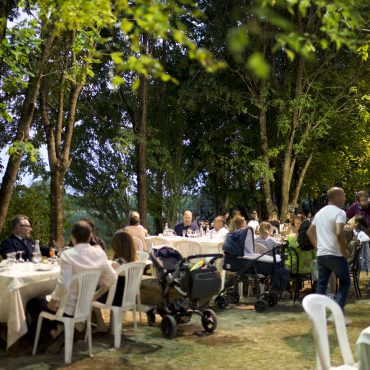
[
  {"x": 19, "y": 240},
  {"x": 186, "y": 224}
]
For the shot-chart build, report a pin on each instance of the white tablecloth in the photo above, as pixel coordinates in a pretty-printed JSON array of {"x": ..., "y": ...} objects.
[
  {"x": 208, "y": 245},
  {"x": 363, "y": 349},
  {"x": 18, "y": 284}
]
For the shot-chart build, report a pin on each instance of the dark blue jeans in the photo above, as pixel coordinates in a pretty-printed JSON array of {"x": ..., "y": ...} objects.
[{"x": 325, "y": 266}]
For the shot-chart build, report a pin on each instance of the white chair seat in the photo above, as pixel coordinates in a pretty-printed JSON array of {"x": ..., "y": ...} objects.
[
  {"x": 132, "y": 272},
  {"x": 87, "y": 282}
]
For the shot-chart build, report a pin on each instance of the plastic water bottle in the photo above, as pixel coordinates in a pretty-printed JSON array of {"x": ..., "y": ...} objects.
[{"x": 36, "y": 255}]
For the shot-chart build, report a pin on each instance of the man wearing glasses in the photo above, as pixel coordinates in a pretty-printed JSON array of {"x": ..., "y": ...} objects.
[{"x": 19, "y": 240}]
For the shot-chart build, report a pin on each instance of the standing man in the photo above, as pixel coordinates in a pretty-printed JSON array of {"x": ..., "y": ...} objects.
[
  {"x": 187, "y": 223},
  {"x": 326, "y": 233},
  {"x": 219, "y": 230}
]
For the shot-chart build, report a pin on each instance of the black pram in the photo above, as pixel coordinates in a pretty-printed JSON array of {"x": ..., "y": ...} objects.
[
  {"x": 195, "y": 284},
  {"x": 240, "y": 257}
]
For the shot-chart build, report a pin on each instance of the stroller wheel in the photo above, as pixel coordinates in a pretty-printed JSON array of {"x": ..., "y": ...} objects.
[
  {"x": 221, "y": 302},
  {"x": 168, "y": 327},
  {"x": 233, "y": 296},
  {"x": 261, "y": 305},
  {"x": 209, "y": 321},
  {"x": 150, "y": 316},
  {"x": 272, "y": 298}
]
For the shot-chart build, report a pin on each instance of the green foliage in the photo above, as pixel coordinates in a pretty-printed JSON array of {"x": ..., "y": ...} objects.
[{"x": 20, "y": 147}]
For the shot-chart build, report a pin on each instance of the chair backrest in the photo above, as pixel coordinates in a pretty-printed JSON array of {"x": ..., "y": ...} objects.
[
  {"x": 138, "y": 244},
  {"x": 87, "y": 282},
  {"x": 315, "y": 306},
  {"x": 260, "y": 248},
  {"x": 142, "y": 256},
  {"x": 132, "y": 272},
  {"x": 188, "y": 247}
]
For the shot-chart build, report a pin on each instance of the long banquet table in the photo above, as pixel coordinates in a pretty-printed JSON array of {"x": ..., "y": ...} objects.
[
  {"x": 208, "y": 245},
  {"x": 18, "y": 284}
]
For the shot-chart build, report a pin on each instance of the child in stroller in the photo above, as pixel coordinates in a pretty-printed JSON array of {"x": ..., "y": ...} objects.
[
  {"x": 240, "y": 257},
  {"x": 195, "y": 284}
]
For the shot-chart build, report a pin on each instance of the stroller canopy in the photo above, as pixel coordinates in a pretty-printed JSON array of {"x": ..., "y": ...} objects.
[
  {"x": 165, "y": 258},
  {"x": 239, "y": 243}
]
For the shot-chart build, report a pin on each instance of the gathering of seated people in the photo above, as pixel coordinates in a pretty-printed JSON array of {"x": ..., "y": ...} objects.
[{"x": 82, "y": 256}]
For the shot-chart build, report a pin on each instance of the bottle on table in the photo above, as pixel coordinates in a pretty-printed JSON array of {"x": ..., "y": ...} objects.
[
  {"x": 36, "y": 255},
  {"x": 207, "y": 232}
]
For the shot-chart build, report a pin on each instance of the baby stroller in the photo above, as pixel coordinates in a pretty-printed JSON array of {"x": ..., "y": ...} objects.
[
  {"x": 239, "y": 257},
  {"x": 195, "y": 285}
]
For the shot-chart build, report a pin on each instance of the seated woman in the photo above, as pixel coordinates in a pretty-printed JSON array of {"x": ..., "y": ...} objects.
[
  {"x": 305, "y": 251},
  {"x": 124, "y": 249},
  {"x": 264, "y": 237},
  {"x": 292, "y": 237}
]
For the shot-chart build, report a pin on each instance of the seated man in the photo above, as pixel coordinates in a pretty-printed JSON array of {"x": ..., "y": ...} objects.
[
  {"x": 135, "y": 229},
  {"x": 219, "y": 231},
  {"x": 19, "y": 240},
  {"x": 186, "y": 224},
  {"x": 81, "y": 257}
]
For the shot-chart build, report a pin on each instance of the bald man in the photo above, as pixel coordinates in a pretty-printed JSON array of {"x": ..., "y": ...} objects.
[
  {"x": 326, "y": 233},
  {"x": 187, "y": 223},
  {"x": 135, "y": 229}
]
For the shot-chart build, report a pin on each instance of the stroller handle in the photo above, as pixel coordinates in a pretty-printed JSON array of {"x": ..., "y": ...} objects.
[{"x": 214, "y": 256}]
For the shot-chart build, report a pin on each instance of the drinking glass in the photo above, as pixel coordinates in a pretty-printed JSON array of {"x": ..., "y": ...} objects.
[
  {"x": 184, "y": 233},
  {"x": 21, "y": 257}
]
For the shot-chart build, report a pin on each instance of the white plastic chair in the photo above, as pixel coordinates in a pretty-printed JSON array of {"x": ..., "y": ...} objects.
[
  {"x": 87, "y": 282},
  {"x": 260, "y": 248},
  {"x": 138, "y": 244},
  {"x": 142, "y": 257},
  {"x": 132, "y": 272},
  {"x": 316, "y": 306}
]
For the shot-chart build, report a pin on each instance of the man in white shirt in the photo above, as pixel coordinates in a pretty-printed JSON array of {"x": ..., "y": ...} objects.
[
  {"x": 82, "y": 256},
  {"x": 253, "y": 222},
  {"x": 219, "y": 231},
  {"x": 326, "y": 233}
]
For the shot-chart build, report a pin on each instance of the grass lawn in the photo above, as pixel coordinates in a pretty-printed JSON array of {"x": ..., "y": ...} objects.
[{"x": 244, "y": 339}]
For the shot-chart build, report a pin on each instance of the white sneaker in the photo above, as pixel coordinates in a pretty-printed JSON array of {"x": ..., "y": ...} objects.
[{"x": 347, "y": 322}]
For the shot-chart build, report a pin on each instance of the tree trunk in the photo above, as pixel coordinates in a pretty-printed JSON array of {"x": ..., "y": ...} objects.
[
  {"x": 289, "y": 162},
  {"x": 23, "y": 130},
  {"x": 142, "y": 147},
  {"x": 56, "y": 205},
  {"x": 59, "y": 147},
  {"x": 265, "y": 148},
  {"x": 300, "y": 181}
]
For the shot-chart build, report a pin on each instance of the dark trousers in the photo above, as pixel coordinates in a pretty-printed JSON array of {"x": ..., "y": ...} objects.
[
  {"x": 34, "y": 308},
  {"x": 325, "y": 266}
]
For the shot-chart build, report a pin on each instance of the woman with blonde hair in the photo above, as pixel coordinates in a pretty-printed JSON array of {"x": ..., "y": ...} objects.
[
  {"x": 264, "y": 237},
  {"x": 236, "y": 223}
]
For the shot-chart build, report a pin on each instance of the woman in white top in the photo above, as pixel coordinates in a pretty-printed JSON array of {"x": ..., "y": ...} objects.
[{"x": 361, "y": 234}]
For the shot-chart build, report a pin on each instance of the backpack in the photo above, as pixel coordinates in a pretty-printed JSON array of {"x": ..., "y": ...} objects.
[{"x": 303, "y": 240}]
